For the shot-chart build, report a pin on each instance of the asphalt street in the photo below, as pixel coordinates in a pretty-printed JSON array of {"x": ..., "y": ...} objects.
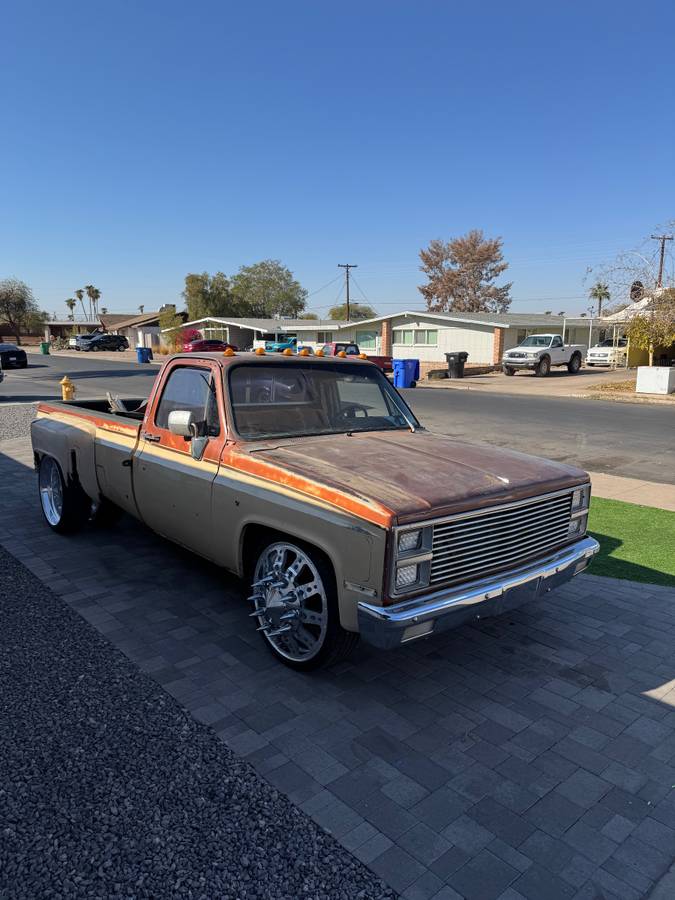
[{"x": 633, "y": 440}]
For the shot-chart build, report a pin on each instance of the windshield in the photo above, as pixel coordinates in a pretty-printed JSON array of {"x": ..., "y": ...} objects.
[
  {"x": 292, "y": 400},
  {"x": 537, "y": 340},
  {"x": 621, "y": 342}
]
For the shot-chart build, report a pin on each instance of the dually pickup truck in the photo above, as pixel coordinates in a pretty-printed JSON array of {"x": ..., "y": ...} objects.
[
  {"x": 540, "y": 352},
  {"x": 312, "y": 480}
]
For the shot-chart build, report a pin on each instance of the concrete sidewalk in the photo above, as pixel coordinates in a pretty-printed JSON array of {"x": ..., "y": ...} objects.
[{"x": 633, "y": 490}]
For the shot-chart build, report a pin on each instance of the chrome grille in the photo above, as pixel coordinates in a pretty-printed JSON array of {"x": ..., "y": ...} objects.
[{"x": 468, "y": 547}]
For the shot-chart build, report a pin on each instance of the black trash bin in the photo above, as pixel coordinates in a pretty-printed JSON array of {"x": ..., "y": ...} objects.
[{"x": 456, "y": 363}]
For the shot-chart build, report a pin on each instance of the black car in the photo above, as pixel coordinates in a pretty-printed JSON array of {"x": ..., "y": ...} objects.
[
  {"x": 105, "y": 342},
  {"x": 12, "y": 357}
]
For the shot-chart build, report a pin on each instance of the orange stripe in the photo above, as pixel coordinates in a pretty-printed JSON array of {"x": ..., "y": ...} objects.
[
  {"x": 371, "y": 511},
  {"x": 105, "y": 424}
]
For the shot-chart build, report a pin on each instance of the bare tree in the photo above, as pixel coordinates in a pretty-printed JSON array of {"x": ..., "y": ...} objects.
[{"x": 461, "y": 274}]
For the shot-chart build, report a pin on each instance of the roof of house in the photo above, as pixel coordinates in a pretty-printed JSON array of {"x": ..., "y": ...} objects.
[
  {"x": 131, "y": 321},
  {"x": 111, "y": 320},
  {"x": 496, "y": 320},
  {"x": 271, "y": 325}
]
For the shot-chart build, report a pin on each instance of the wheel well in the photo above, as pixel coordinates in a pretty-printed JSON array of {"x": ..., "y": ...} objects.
[{"x": 253, "y": 536}]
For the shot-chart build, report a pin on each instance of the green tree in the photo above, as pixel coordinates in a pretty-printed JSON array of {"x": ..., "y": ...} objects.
[
  {"x": 655, "y": 327},
  {"x": 600, "y": 294},
  {"x": 208, "y": 295},
  {"x": 267, "y": 289},
  {"x": 461, "y": 274},
  {"x": 18, "y": 307},
  {"x": 173, "y": 323},
  {"x": 357, "y": 312},
  {"x": 71, "y": 304}
]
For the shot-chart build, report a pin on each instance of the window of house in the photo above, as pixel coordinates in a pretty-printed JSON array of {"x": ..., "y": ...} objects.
[
  {"x": 192, "y": 389},
  {"x": 403, "y": 336},
  {"x": 324, "y": 337},
  {"x": 426, "y": 336},
  {"x": 367, "y": 340}
]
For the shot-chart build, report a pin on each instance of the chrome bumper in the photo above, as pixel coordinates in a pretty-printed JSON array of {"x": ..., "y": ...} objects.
[
  {"x": 521, "y": 363},
  {"x": 389, "y": 626}
]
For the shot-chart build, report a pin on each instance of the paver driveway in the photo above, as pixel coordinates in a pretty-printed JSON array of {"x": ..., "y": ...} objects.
[{"x": 532, "y": 756}]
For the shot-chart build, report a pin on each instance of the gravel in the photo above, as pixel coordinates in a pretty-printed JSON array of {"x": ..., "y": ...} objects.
[
  {"x": 108, "y": 788},
  {"x": 15, "y": 419}
]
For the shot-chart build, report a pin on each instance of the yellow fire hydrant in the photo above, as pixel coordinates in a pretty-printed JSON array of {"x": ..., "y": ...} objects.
[{"x": 67, "y": 388}]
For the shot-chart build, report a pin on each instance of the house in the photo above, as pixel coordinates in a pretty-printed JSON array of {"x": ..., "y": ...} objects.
[
  {"x": 414, "y": 334},
  {"x": 141, "y": 330}
]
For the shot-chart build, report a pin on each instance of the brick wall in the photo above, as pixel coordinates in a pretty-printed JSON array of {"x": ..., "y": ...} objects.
[
  {"x": 427, "y": 366},
  {"x": 386, "y": 338},
  {"x": 498, "y": 346}
]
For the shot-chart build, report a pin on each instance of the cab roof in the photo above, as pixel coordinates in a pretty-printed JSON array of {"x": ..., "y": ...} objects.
[{"x": 272, "y": 358}]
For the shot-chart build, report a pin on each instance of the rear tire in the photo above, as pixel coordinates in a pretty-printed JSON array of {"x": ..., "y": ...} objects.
[
  {"x": 574, "y": 364},
  {"x": 66, "y": 507},
  {"x": 314, "y": 636},
  {"x": 543, "y": 368}
]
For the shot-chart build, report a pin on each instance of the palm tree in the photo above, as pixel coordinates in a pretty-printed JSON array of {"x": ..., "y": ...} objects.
[
  {"x": 94, "y": 295},
  {"x": 599, "y": 292},
  {"x": 80, "y": 295},
  {"x": 141, "y": 308},
  {"x": 71, "y": 304}
]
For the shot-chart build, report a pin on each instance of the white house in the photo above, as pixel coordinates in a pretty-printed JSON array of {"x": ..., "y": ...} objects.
[{"x": 410, "y": 334}]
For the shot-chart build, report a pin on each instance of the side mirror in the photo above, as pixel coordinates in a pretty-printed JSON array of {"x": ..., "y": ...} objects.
[{"x": 181, "y": 423}]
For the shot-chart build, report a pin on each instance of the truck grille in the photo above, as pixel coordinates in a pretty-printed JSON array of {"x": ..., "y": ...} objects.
[{"x": 469, "y": 547}]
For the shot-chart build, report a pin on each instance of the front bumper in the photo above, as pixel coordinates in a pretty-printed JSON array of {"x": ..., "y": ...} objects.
[
  {"x": 389, "y": 626},
  {"x": 521, "y": 362}
]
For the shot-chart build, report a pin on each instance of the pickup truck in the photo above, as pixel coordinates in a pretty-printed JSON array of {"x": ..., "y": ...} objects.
[
  {"x": 312, "y": 480},
  {"x": 540, "y": 352},
  {"x": 349, "y": 348}
]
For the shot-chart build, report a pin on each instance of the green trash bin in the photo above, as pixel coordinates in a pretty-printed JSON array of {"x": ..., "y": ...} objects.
[{"x": 44, "y": 348}]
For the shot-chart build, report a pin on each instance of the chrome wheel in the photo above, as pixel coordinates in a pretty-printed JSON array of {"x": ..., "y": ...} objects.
[
  {"x": 51, "y": 490},
  {"x": 290, "y": 600}
]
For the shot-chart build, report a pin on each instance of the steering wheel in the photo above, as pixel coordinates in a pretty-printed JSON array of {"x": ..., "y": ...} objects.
[{"x": 350, "y": 410}]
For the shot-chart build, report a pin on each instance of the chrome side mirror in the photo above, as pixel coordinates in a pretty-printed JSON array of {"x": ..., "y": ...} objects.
[{"x": 181, "y": 423}]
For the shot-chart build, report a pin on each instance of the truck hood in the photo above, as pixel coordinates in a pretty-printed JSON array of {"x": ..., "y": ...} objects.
[{"x": 418, "y": 475}]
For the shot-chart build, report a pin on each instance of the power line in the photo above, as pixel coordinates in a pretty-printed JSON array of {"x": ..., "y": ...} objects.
[
  {"x": 323, "y": 287},
  {"x": 347, "y": 267}
]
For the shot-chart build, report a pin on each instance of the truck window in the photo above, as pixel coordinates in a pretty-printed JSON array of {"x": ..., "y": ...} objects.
[
  {"x": 556, "y": 342},
  {"x": 193, "y": 389}
]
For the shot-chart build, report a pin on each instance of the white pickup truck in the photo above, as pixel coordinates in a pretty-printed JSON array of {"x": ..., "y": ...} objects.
[{"x": 540, "y": 352}]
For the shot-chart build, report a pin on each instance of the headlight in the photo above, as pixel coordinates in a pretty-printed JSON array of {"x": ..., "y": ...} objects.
[
  {"x": 581, "y": 498},
  {"x": 406, "y": 576},
  {"x": 409, "y": 540},
  {"x": 577, "y": 526}
]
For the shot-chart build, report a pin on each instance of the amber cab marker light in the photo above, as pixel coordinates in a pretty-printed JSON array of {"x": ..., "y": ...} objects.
[
  {"x": 228, "y": 352},
  {"x": 342, "y": 354},
  {"x": 362, "y": 356},
  {"x": 304, "y": 352},
  {"x": 260, "y": 351},
  {"x": 287, "y": 352},
  {"x": 319, "y": 353}
]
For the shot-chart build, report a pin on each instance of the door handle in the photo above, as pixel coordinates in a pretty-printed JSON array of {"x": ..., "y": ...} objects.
[{"x": 153, "y": 438}]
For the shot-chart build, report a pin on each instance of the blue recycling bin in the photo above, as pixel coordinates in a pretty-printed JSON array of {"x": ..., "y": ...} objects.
[
  {"x": 142, "y": 354},
  {"x": 406, "y": 372}
]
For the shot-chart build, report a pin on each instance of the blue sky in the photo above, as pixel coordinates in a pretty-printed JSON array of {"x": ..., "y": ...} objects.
[{"x": 144, "y": 140}]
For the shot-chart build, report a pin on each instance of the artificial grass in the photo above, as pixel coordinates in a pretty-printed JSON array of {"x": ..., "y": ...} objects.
[{"x": 636, "y": 542}]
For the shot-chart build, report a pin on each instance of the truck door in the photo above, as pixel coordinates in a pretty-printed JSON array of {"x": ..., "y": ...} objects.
[
  {"x": 172, "y": 489},
  {"x": 557, "y": 350}
]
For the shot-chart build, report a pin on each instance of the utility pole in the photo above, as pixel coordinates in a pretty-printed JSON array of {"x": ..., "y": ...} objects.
[
  {"x": 347, "y": 267},
  {"x": 662, "y": 238}
]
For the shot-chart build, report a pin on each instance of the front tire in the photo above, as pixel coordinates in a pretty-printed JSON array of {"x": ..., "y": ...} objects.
[
  {"x": 296, "y": 608},
  {"x": 66, "y": 507},
  {"x": 508, "y": 370},
  {"x": 543, "y": 367}
]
